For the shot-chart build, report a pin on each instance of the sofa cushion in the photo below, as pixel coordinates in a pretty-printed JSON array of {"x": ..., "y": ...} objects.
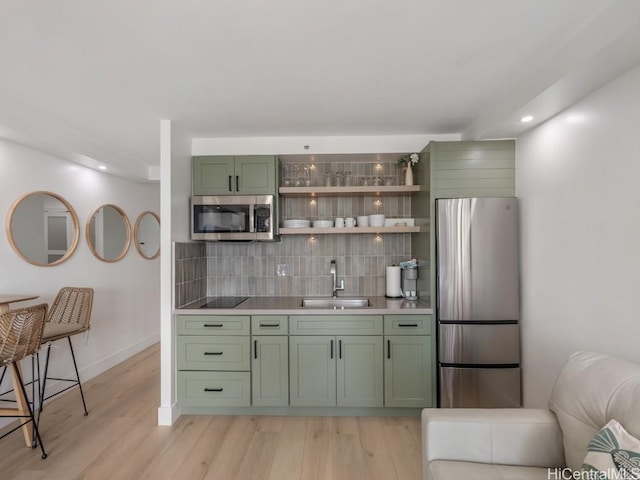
[
  {"x": 592, "y": 389},
  {"x": 452, "y": 470},
  {"x": 613, "y": 450}
]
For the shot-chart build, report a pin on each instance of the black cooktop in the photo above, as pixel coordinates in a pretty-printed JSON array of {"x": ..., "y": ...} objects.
[{"x": 224, "y": 302}]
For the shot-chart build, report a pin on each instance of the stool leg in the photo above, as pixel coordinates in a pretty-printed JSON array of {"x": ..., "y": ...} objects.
[
  {"x": 31, "y": 416},
  {"x": 33, "y": 398},
  {"x": 44, "y": 381},
  {"x": 84, "y": 404}
]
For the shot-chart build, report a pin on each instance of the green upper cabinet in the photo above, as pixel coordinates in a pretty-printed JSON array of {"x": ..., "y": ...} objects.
[
  {"x": 256, "y": 175},
  {"x": 235, "y": 175},
  {"x": 472, "y": 169},
  {"x": 213, "y": 175}
]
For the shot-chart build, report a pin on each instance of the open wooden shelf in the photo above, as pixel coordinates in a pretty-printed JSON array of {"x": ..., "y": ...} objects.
[
  {"x": 347, "y": 230},
  {"x": 349, "y": 191}
]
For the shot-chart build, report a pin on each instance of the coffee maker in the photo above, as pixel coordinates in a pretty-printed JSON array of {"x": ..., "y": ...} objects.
[{"x": 410, "y": 283}]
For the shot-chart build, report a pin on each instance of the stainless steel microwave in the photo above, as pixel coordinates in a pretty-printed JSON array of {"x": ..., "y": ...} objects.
[{"x": 233, "y": 217}]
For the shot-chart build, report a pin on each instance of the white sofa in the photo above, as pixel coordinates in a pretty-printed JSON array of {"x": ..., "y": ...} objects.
[{"x": 523, "y": 444}]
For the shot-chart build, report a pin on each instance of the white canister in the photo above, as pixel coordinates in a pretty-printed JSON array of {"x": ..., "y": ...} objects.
[
  {"x": 376, "y": 220},
  {"x": 394, "y": 289},
  {"x": 363, "y": 220}
]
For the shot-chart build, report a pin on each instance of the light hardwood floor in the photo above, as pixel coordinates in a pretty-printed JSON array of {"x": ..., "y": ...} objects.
[{"x": 120, "y": 439}]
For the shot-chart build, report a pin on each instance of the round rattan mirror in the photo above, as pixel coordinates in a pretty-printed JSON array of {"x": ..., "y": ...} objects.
[
  {"x": 108, "y": 233},
  {"x": 146, "y": 235},
  {"x": 43, "y": 228}
]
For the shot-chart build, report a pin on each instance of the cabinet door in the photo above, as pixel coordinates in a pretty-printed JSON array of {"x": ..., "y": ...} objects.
[
  {"x": 359, "y": 371},
  {"x": 213, "y": 176},
  {"x": 270, "y": 371},
  {"x": 255, "y": 175},
  {"x": 313, "y": 371},
  {"x": 407, "y": 371}
]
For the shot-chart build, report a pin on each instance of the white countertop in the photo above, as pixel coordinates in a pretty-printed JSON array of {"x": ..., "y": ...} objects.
[{"x": 292, "y": 306}]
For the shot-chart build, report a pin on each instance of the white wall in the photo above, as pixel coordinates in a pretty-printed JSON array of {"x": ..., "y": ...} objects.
[
  {"x": 578, "y": 178},
  {"x": 126, "y": 306}
]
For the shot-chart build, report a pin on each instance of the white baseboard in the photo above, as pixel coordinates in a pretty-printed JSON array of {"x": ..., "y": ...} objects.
[{"x": 168, "y": 415}]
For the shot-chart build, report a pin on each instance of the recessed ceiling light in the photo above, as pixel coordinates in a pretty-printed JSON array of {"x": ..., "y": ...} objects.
[
  {"x": 102, "y": 167},
  {"x": 526, "y": 119}
]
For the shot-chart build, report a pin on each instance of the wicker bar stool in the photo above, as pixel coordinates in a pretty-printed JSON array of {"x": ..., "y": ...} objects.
[
  {"x": 20, "y": 336},
  {"x": 69, "y": 315}
]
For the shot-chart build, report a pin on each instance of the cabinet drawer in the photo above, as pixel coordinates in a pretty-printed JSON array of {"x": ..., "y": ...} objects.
[
  {"x": 269, "y": 325},
  {"x": 214, "y": 389},
  {"x": 407, "y": 324},
  {"x": 335, "y": 324},
  {"x": 213, "y": 324},
  {"x": 202, "y": 352}
]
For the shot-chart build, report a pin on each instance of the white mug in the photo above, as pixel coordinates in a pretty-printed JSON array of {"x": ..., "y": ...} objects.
[
  {"x": 363, "y": 221},
  {"x": 339, "y": 222},
  {"x": 350, "y": 222}
]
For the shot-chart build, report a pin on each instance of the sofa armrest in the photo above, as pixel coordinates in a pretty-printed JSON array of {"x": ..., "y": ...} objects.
[{"x": 508, "y": 436}]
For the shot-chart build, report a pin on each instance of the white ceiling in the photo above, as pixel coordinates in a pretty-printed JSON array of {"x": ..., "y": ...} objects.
[{"x": 91, "y": 79}]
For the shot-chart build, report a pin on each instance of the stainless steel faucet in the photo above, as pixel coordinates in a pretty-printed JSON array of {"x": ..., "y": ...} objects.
[{"x": 334, "y": 276}]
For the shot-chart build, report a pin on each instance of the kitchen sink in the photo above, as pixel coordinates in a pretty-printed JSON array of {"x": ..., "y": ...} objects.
[{"x": 335, "y": 303}]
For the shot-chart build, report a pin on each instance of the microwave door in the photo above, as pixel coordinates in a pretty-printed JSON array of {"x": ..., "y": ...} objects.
[
  {"x": 230, "y": 218},
  {"x": 222, "y": 222}
]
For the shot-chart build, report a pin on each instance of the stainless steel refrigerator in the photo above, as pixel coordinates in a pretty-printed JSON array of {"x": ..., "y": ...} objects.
[{"x": 478, "y": 304}]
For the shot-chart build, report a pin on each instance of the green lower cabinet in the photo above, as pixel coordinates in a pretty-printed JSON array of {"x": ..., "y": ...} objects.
[
  {"x": 312, "y": 365},
  {"x": 344, "y": 371},
  {"x": 270, "y": 371},
  {"x": 360, "y": 371},
  {"x": 408, "y": 371}
]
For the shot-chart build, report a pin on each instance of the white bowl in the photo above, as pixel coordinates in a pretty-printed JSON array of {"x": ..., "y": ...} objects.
[
  {"x": 376, "y": 220},
  {"x": 363, "y": 220},
  {"x": 322, "y": 223}
]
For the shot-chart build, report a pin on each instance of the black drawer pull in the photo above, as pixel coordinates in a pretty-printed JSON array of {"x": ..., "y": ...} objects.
[
  {"x": 331, "y": 349},
  {"x": 389, "y": 349},
  {"x": 407, "y": 324},
  {"x": 213, "y": 353},
  {"x": 269, "y": 325},
  {"x": 230, "y": 187},
  {"x": 340, "y": 349},
  {"x": 255, "y": 349},
  {"x": 213, "y": 389},
  {"x": 237, "y": 183},
  {"x": 213, "y": 325}
]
